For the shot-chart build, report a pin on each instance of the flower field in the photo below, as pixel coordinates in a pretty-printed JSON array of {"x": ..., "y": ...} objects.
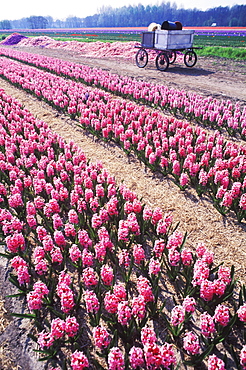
[
  {"x": 211, "y": 112},
  {"x": 109, "y": 282},
  {"x": 207, "y": 161}
]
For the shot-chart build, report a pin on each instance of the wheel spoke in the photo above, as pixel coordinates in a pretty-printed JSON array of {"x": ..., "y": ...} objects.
[
  {"x": 141, "y": 58},
  {"x": 172, "y": 56},
  {"x": 162, "y": 62},
  {"x": 190, "y": 58}
]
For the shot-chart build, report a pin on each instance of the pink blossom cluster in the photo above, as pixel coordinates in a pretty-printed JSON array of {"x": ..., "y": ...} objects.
[
  {"x": 65, "y": 293},
  {"x": 58, "y": 329},
  {"x": 15, "y": 242},
  {"x": 116, "y": 359},
  {"x": 209, "y": 288},
  {"x": 242, "y": 313},
  {"x": 191, "y": 343},
  {"x": 215, "y": 363},
  {"x": 36, "y": 296},
  {"x": 21, "y": 268},
  {"x": 152, "y": 355},
  {"x": 243, "y": 357},
  {"x": 144, "y": 289},
  {"x": 124, "y": 313},
  {"x": 207, "y": 325},
  {"x": 127, "y": 228},
  {"x": 101, "y": 337},
  {"x": 91, "y": 301},
  {"x": 177, "y": 315},
  {"x": 79, "y": 361},
  {"x": 90, "y": 277}
]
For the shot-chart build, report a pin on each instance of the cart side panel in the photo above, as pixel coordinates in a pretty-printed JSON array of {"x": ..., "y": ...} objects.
[
  {"x": 180, "y": 39},
  {"x": 148, "y": 39}
]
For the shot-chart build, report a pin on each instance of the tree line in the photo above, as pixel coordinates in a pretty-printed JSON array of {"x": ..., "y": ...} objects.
[{"x": 138, "y": 16}]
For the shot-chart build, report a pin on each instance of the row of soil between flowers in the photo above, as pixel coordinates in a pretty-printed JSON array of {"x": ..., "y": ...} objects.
[{"x": 108, "y": 281}]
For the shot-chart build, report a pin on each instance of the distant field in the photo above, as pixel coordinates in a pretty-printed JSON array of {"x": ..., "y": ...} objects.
[
  {"x": 211, "y": 39},
  {"x": 209, "y": 36},
  {"x": 199, "y": 40}
]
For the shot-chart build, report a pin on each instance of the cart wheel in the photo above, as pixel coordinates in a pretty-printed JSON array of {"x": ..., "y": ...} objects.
[
  {"x": 162, "y": 62},
  {"x": 141, "y": 58},
  {"x": 172, "y": 56},
  {"x": 190, "y": 58}
]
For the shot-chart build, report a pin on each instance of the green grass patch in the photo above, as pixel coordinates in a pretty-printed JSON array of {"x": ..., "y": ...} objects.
[
  {"x": 231, "y": 47},
  {"x": 218, "y": 40},
  {"x": 103, "y": 37},
  {"x": 223, "y": 52},
  {"x": 80, "y": 39}
]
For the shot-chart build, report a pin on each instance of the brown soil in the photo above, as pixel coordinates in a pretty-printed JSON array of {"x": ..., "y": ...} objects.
[{"x": 220, "y": 78}]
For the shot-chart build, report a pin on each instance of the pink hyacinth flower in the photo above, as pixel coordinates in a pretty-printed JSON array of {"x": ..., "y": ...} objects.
[
  {"x": 191, "y": 343},
  {"x": 107, "y": 274},
  {"x": 222, "y": 314},
  {"x": 136, "y": 357},
  {"x": 79, "y": 361},
  {"x": 168, "y": 355},
  {"x": 71, "y": 326},
  {"x": 243, "y": 357},
  {"x": 241, "y": 312},
  {"x": 177, "y": 315},
  {"x": 215, "y": 363},
  {"x": 116, "y": 359},
  {"x": 101, "y": 337},
  {"x": 207, "y": 325}
]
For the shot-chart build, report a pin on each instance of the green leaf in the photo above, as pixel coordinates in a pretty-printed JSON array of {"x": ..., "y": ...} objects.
[
  {"x": 14, "y": 281},
  {"x": 176, "y": 226},
  {"x": 240, "y": 298},
  {"x": 46, "y": 358},
  {"x": 24, "y": 315},
  {"x": 16, "y": 295},
  {"x": 235, "y": 357},
  {"x": 30, "y": 335},
  {"x": 5, "y": 255},
  {"x": 215, "y": 269},
  {"x": 226, "y": 330},
  {"x": 57, "y": 313},
  {"x": 198, "y": 359},
  {"x": 97, "y": 365},
  {"x": 244, "y": 292}
]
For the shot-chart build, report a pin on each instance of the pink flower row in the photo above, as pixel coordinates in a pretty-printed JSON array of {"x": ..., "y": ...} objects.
[
  {"x": 208, "y": 110},
  {"x": 63, "y": 94},
  {"x": 164, "y": 144},
  {"x": 57, "y": 210}
]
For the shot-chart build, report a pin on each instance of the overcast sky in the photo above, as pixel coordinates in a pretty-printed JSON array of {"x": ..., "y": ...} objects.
[{"x": 58, "y": 9}]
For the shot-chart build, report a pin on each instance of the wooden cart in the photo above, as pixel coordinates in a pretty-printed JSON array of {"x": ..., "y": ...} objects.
[{"x": 166, "y": 44}]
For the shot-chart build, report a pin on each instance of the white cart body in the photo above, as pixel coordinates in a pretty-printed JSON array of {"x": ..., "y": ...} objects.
[{"x": 168, "y": 40}]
